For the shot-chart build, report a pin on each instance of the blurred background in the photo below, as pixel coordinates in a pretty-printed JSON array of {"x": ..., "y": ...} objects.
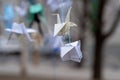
[{"x": 97, "y": 29}]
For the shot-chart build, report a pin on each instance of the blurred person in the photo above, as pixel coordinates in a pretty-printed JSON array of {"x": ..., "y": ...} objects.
[
  {"x": 32, "y": 2},
  {"x": 35, "y": 12}
]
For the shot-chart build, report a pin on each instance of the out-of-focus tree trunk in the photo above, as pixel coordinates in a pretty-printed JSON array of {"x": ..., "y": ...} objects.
[
  {"x": 98, "y": 6},
  {"x": 99, "y": 43},
  {"x": 100, "y": 37}
]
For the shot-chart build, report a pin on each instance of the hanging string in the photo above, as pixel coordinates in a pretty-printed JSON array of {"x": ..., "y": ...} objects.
[
  {"x": 54, "y": 65},
  {"x": 53, "y": 59},
  {"x": 69, "y": 35},
  {"x": 62, "y": 17},
  {"x": 62, "y": 11},
  {"x": 65, "y": 6}
]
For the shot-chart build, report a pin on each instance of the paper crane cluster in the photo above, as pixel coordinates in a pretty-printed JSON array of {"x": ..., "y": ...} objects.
[
  {"x": 22, "y": 10},
  {"x": 70, "y": 51}
]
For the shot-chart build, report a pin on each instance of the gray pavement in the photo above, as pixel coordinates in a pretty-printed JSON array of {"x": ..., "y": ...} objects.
[{"x": 61, "y": 71}]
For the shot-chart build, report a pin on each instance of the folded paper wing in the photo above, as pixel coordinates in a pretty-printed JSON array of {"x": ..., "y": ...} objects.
[
  {"x": 58, "y": 29},
  {"x": 15, "y": 29},
  {"x": 20, "y": 29},
  {"x": 71, "y": 51},
  {"x": 63, "y": 28},
  {"x": 67, "y": 19},
  {"x": 25, "y": 32},
  {"x": 31, "y": 30}
]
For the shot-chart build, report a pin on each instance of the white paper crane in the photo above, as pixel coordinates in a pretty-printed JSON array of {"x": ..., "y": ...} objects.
[
  {"x": 22, "y": 9},
  {"x": 62, "y": 28},
  {"x": 71, "y": 51},
  {"x": 20, "y": 29}
]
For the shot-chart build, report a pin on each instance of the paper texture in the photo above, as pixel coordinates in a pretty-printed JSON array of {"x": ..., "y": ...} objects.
[
  {"x": 29, "y": 30},
  {"x": 25, "y": 32},
  {"x": 20, "y": 29},
  {"x": 58, "y": 28},
  {"x": 15, "y": 29},
  {"x": 63, "y": 28},
  {"x": 71, "y": 51}
]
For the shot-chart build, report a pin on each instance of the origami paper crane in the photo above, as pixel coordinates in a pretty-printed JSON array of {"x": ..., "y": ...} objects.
[
  {"x": 22, "y": 9},
  {"x": 63, "y": 28},
  {"x": 8, "y": 12},
  {"x": 8, "y": 15},
  {"x": 20, "y": 29},
  {"x": 71, "y": 51}
]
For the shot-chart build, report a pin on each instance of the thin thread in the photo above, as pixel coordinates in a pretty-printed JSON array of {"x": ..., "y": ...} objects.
[{"x": 54, "y": 66}]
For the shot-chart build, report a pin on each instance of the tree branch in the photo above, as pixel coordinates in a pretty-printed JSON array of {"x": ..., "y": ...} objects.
[
  {"x": 98, "y": 21},
  {"x": 114, "y": 25}
]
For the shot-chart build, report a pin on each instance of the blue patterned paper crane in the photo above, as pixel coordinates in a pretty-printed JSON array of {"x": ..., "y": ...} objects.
[{"x": 8, "y": 15}]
